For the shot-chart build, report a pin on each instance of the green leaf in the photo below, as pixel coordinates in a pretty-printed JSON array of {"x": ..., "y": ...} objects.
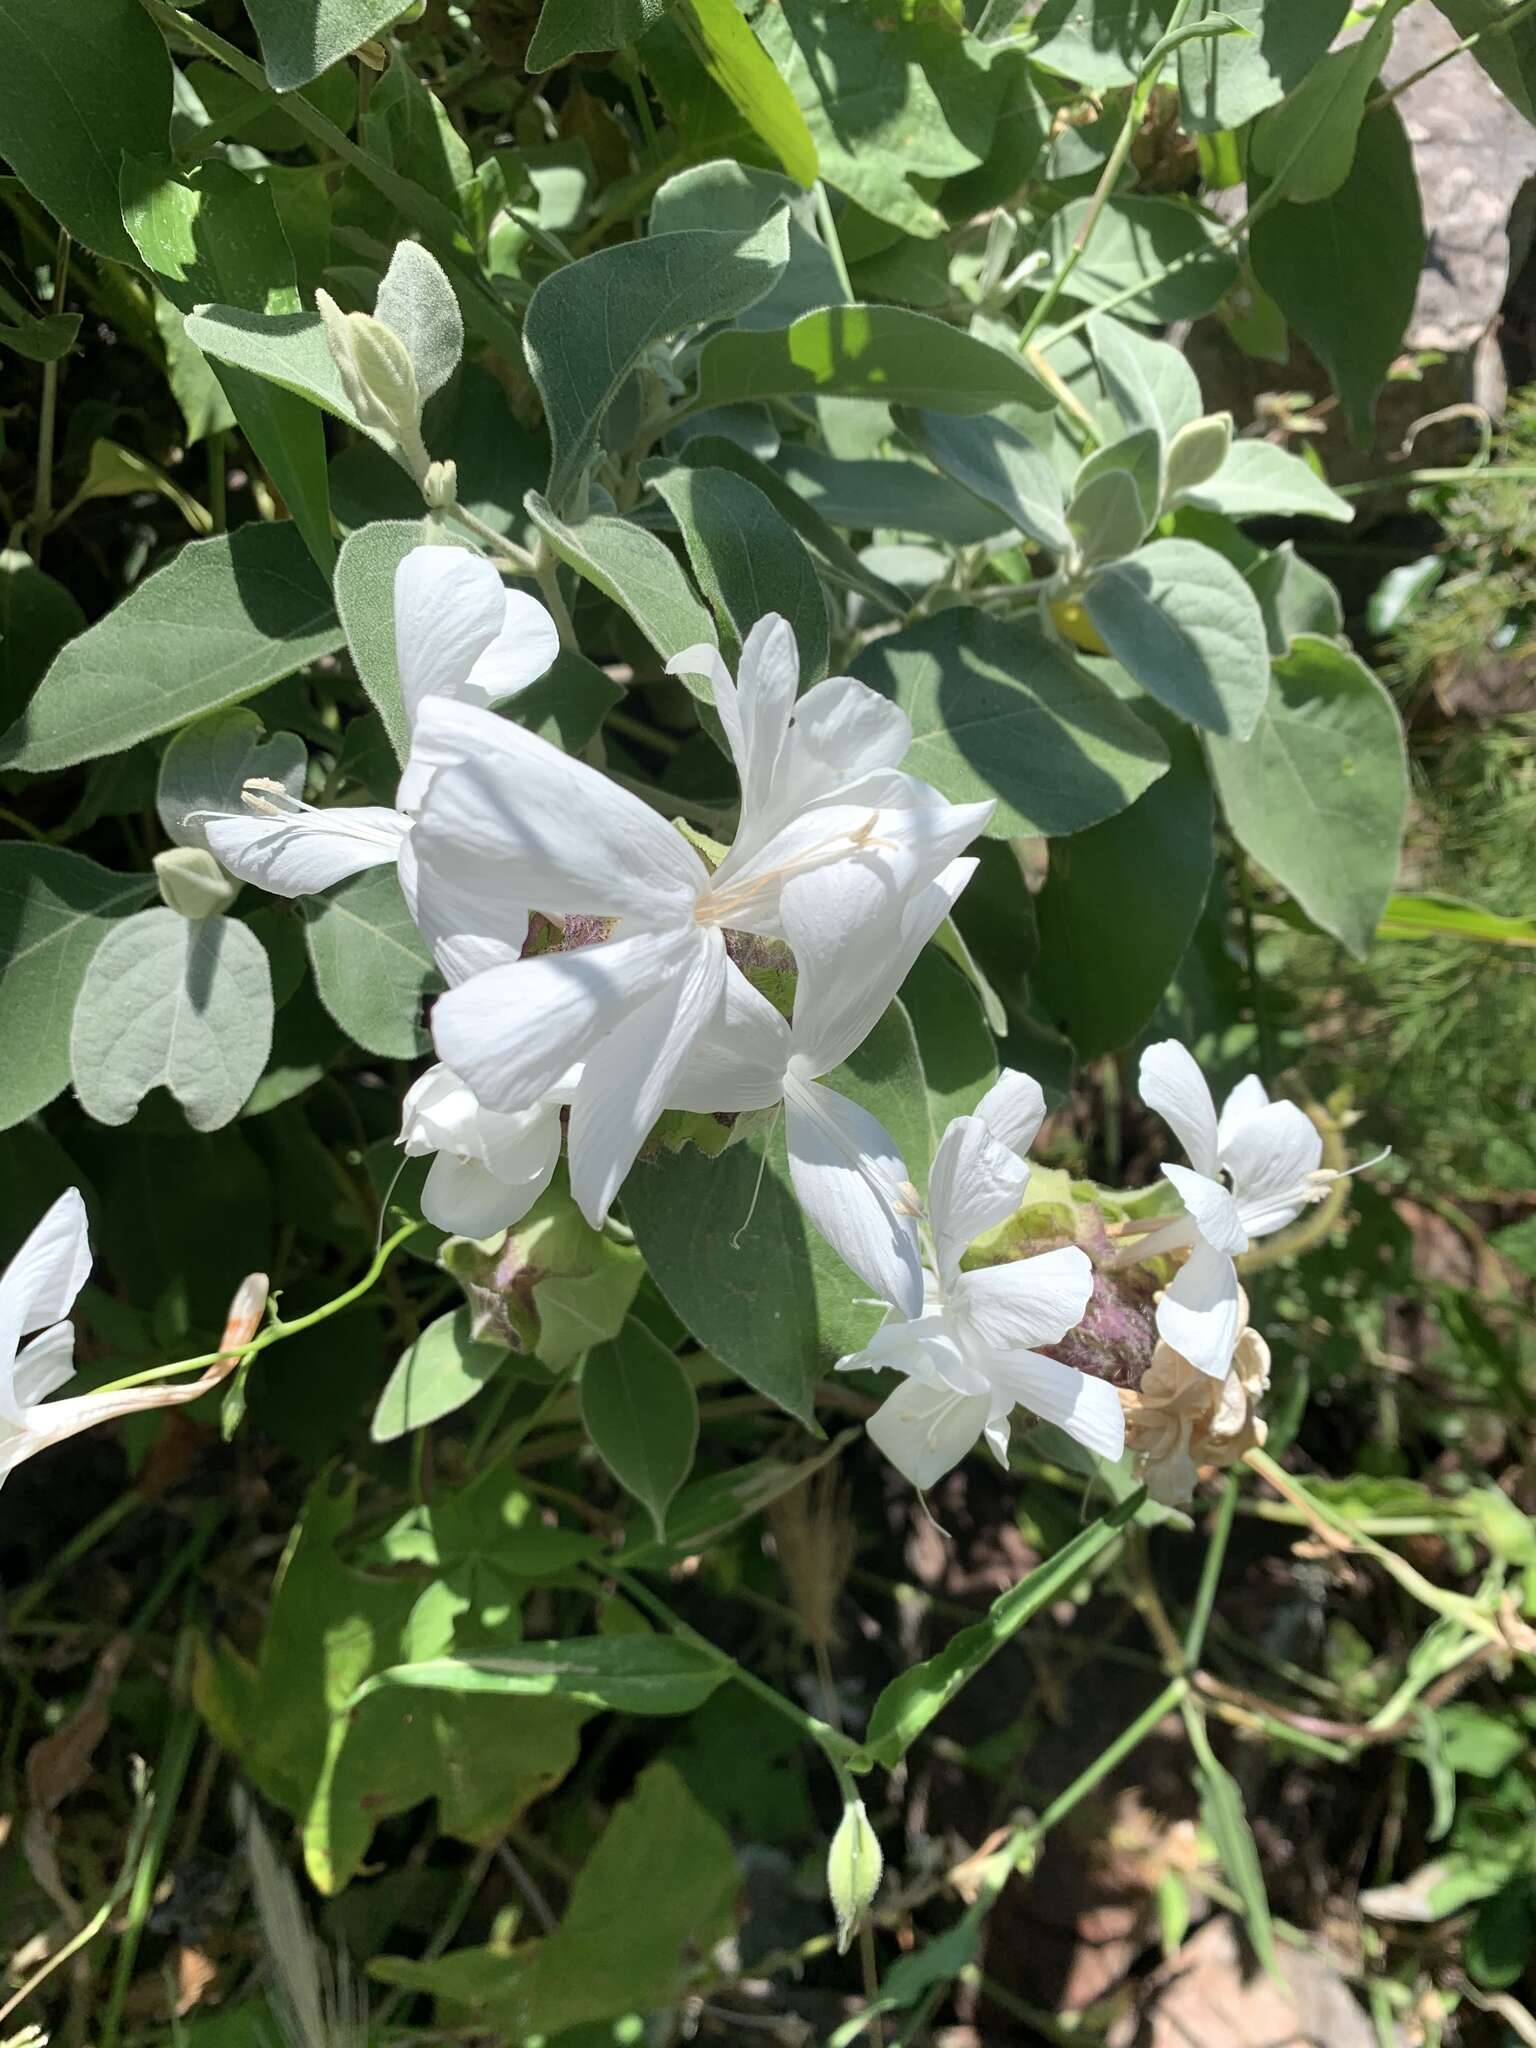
[
  {"x": 1148, "y": 382},
  {"x": 642, "y": 1415},
  {"x": 76, "y": 96},
  {"x": 957, "y": 1049},
  {"x": 207, "y": 765},
  {"x": 1448, "y": 917},
  {"x": 632, "y": 1674},
  {"x": 301, "y": 38},
  {"x": 1225, "y": 80},
  {"x": 987, "y": 457},
  {"x": 714, "y": 451},
  {"x": 1508, "y": 57},
  {"x": 572, "y": 28},
  {"x": 1099, "y": 42},
  {"x": 1121, "y": 903},
  {"x": 907, "y": 1705},
  {"x": 1307, "y": 145},
  {"x": 44, "y": 339},
  {"x": 1319, "y": 794},
  {"x": 1187, "y": 627},
  {"x": 569, "y": 702},
  {"x": 177, "y": 1003},
  {"x": 728, "y": 1246},
  {"x": 889, "y": 100},
  {"x": 194, "y": 385},
  {"x": 434, "y": 1376},
  {"x": 372, "y": 967},
  {"x": 998, "y": 710},
  {"x": 365, "y": 600},
  {"x": 658, "y": 1892},
  {"x": 883, "y": 352},
  {"x": 220, "y": 621},
  {"x": 37, "y": 616},
  {"x": 889, "y": 494},
  {"x": 620, "y": 301},
  {"x": 288, "y": 349},
  {"x": 1135, "y": 241},
  {"x": 740, "y": 198},
  {"x": 1138, "y": 455},
  {"x": 1106, "y": 518},
  {"x": 635, "y": 569},
  {"x": 1345, "y": 271},
  {"x": 1259, "y": 480},
  {"x": 737, "y": 62},
  {"x": 748, "y": 560},
  {"x": 55, "y": 909},
  {"x": 1294, "y": 598},
  {"x": 218, "y": 236},
  {"x": 1221, "y": 1809}
]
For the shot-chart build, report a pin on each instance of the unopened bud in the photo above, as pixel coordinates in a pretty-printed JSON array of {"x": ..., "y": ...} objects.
[
  {"x": 1196, "y": 452},
  {"x": 854, "y": 1866},
  {"x": 192, "y": 883},
  {"x": 440, "y": 486},
  {"x": 378, "y": 379}
]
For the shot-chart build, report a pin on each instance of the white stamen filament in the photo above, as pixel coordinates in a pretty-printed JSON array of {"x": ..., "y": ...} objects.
[{"x": 718, "y": 907}]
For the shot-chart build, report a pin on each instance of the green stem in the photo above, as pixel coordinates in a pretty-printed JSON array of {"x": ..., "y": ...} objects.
[
  {"x": 516, "y": 557},
  {"x": 169, "y": 1777},
  {"x": 836, "y": 1747},
  {"x": 1501, "y": 27},
  {"x": 48, "y": 413},
  {"x": 1109, "y": 177},
  {"x": 546, "y": 572},
  {"x": 1210, "y": 1574},
  {"x": 829, "y": 235},
  {"x": 275, "y": 1331}
]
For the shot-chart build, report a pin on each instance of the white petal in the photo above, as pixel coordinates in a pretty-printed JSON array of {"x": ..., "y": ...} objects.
[
  {"x": 1086, "y": 1408},
  {"x": 1013, "y": 1109},
  {"x": 298, "y": 855},
  {"x": 925, "y": 1433},
  {"x": 974, "y": 1183},
  {"x": 1173, "y": 1085},
  {"x": 39, "y": 1286},
  {"x": 850, "y": 1179},
  {"x": 512, "y": 1032},
  {"x": 903, "y": 849},
  {"x": 1246, "y": 1100},
  {"x": 1216, "y": 1214},
  {"x": 1269, "y": 1158},
  {"x": 553, "y": 832},
  {"x": 626, "y": 1082},
  {"x": 450, "y": 606},
  {"x": 739, "y": 1061},
  {"x": 523, "y": 649},
  {"x": 855, "y": 940},
  {"x": 842, "y": 731},
  {"x": 767, "y": 677},
  {"x": 1027, "y": 1302},
  {"x": 1198, "y": 1315},
  {"x": 45, "y": 1365},
  {"x": 468, "y": 919},
  {"x": 466, "y": 1199}
]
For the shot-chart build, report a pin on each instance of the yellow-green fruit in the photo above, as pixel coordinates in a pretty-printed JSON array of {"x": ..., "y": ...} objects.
[{"x": 1074, "y": 624}]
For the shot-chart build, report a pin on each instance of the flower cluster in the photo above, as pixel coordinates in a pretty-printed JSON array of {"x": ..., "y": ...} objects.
[{"x": 848, "y": 862}]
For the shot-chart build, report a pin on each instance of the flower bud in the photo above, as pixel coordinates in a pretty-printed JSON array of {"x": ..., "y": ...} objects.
[
  {"x": 854, "y": 1866},
  {"x": 440, "y": 486},
  {"x": 378, "y": 379},
  {"x": 192, "y": 883},
  {"x": 1195, "y": 454}
]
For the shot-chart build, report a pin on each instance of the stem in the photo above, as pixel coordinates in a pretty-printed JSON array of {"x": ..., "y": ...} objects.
[
  {"x": 517, "y": 557},
  {"x": 1109, "y": 177},
  {"x": 837, "y": 1748},
  {"x": 546, "y": 571},
  {"x": 1501, "y": 27},
  {"x": 1210, "y": 1575},
  {"x": 169, "y": 1776},
  {"x": 218, "y": 449},
  {"x": 276, "y": 1331},
  {"x": 829, "y": 235},
  {"x": 48, "y": 413}
]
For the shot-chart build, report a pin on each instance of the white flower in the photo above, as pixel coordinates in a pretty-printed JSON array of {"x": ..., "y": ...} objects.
[
  {"x": 459, "y": 633},
  {"x": 37, "y": 1291},
  {"x": 969, "y": 1358},
  {"x": 509, "y": 816},
  {"x": 489, "y": 1168},
  {"x": 853, "y": 950},
  {"x": 1252, "y": 1170}
]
